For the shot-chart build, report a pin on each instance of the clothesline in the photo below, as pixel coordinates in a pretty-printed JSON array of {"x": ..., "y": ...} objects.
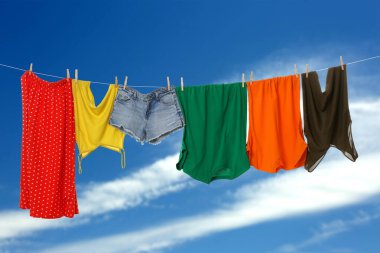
[
  {"x": 353, "y": 62},
  {"x": 151, "y": 86},
  {"x": 208, "y": 151}
]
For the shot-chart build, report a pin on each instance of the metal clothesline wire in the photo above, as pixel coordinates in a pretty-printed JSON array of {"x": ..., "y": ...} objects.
[
  {"x": 353, "y": 62},
  {"x": 150, "y": 86}
]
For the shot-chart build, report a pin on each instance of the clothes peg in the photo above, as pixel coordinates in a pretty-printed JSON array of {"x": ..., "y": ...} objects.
[
  {"x": 116, "y": 81},
  {"x": 341, "y": 62},
  {"x": 242, "y": 80},
  {"x": 67, "y": 74},
  {"x": 307, "y": 70},
  {"x": 31, "y": 68},
  {"x": 168, "y": 81},
  {"x": 251, "y": 77},
  {"x": 295, "y": 70},
  {"x": 76, "y": 75},
  {"x": 181, "y": 83},
  {"x": 125, "y": 82}
]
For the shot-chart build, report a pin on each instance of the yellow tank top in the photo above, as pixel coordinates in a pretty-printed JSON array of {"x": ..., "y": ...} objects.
[{"x": 91, "y": 122}]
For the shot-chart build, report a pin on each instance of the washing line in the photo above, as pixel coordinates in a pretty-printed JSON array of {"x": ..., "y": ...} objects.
[{"x": 149, "y": 86}]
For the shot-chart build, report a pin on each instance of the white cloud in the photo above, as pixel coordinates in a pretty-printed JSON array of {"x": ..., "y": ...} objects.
[
  {"x": 282, "y": 196},
  {"x": 329, "y": 230},
  {"x": 252, "y": 203},
  {"x": 296, "y": 192},
  {"x": 281, "y": 63},
  {"x": 149, "y": 183},
  {"x": 365, "y": 116},
  {"x": 16, "y": 223},
  {"x": 146, "y": 184}
]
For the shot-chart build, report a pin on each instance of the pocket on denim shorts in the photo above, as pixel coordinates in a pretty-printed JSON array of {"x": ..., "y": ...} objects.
[
  {"x": 123, "y": 97},
  {"x": 167, "y": 98}
]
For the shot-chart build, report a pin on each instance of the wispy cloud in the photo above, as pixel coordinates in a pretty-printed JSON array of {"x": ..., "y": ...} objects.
[
  {"x": 329, "y": 230},
  {"x": 146, "y": 184},
  {"x": 365, "y": 115},
  {"x": 17, "y": 223},
  {"x": 297, "y": 192},
  {"x": 281, "y": 62}
]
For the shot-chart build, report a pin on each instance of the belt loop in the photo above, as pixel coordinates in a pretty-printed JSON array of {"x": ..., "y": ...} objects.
[
  {"x": 134, "y": 94},
  {"x": 157, "y": 94},
  {"x": 122, "y": 154},
  {"x": 80, "y": 164}
]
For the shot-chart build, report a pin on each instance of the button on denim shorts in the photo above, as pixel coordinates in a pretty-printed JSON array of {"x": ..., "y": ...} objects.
[{"x": 147, "y": 117}]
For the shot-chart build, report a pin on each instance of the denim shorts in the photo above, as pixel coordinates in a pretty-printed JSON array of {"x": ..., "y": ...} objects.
[{"x": 147, "y": 117}]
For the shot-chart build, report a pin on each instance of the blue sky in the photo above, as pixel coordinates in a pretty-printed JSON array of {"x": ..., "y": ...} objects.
[{"x": 150, "y": 206}]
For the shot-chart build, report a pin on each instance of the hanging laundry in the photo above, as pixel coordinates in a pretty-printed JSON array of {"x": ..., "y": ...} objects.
[
  {"x": 91, "y": 122},
  {"x": 213, "y": 145},
  {"x": 48, "y": 148},
  {"x": 147, "y": 117},
  {"x": 327, "y": 119},
  {"x": 275, "y": 138}
]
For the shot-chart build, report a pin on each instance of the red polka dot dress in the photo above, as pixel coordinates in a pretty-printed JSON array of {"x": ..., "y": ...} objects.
[{"x": 48, "y": 148}]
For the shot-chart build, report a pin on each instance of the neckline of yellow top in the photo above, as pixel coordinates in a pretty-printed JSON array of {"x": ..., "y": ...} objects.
[{"x": 91, "y": 99}]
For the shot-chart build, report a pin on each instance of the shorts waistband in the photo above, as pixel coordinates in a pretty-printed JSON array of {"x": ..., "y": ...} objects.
[{"x": 156, "y": 93}]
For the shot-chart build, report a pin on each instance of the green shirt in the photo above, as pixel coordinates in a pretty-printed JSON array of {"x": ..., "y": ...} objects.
[{"x": 213, "y": 145}]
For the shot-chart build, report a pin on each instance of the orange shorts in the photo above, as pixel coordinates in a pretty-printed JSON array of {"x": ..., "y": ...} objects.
[{"x": 275, "y": 137}]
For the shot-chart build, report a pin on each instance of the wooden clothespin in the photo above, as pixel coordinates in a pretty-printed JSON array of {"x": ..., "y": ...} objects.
[
  {"x": 67, "y": 74},
  {"x": 181, "y": 83},
  {"x": 307, "y": 70},
  {"x": 76, "y": 75},
  {"x": 125, "y": 82},
  {"x": 168, "y": 82},
  {"x": 116, "y": 81},
  {"x": 295, "y": 70},
  {"x": 341, "y": 62},
  {"x": 242, "y": 80},
  {"x": 251, "y": 77},
  {"x": 31, "y": 68}
]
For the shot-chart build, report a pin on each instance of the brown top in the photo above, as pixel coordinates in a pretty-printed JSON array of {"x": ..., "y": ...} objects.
[{"x": 327, "y": 120}]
